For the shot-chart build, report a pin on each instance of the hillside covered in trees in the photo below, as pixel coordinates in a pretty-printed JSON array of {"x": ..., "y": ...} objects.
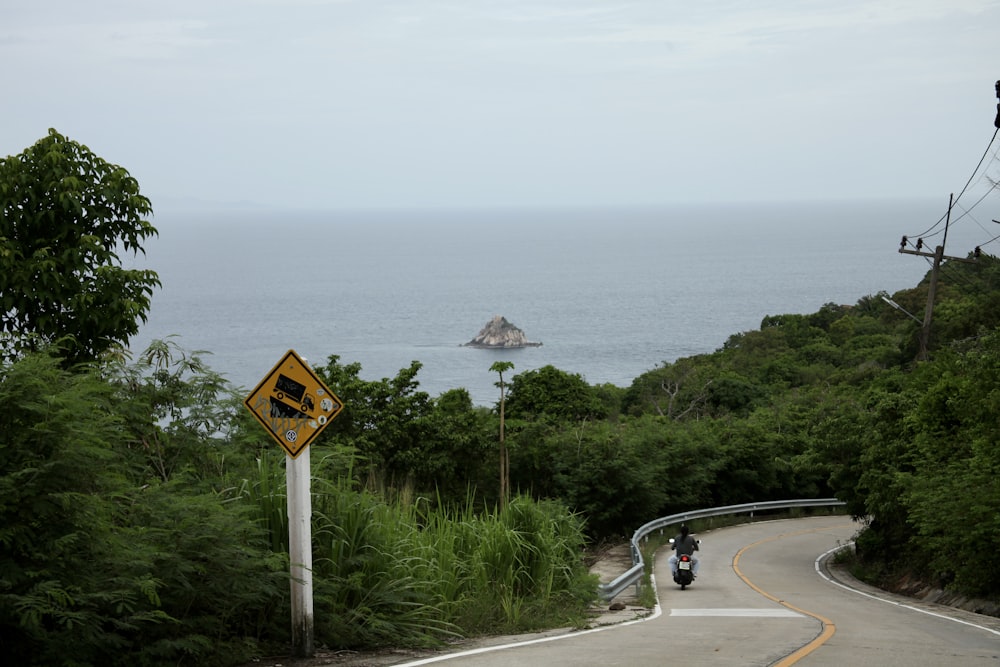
[
  {"x": 830, "y": 403},
  {"x": 808, "y": 405}
]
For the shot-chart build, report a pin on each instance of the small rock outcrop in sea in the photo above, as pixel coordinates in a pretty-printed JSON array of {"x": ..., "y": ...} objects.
[{"x": 498, "y": 332}]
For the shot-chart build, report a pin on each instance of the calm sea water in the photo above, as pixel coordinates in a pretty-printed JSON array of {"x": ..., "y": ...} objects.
[{"x": 611, "y": 293}]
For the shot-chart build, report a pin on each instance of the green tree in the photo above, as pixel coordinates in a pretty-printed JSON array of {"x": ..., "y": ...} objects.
[
  {"x": 103, "y": 562},
  {"x": 65, "y": 214},
  {"x": 56, "y": 474},
  {"x": 500, "y": 367},
  {"x": 384, "y": 422},
  {"x": 619, "y": 476},
  {"x": 953, "y": 497},
  {"x": 550, "y": 392},
  {"x": 176, "y": 410},
  {"x": 460, "y": 437},
  {"x": 675, "y": 390},
  {"x": 124, "y": 539}
]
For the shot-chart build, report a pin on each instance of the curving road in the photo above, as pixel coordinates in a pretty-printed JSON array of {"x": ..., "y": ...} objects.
[{"x": 760, "y": 599}]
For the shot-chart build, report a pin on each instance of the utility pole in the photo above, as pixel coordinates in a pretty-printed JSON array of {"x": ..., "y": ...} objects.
[{"x": 938, "y": 255}]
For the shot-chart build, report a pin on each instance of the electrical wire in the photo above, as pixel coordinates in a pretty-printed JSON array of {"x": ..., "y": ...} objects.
[
  {"x": 966, "y": 187},
  {"x": 991, "y": 240},
  {"x": 955, "y": 275},
  {"x": 980, "y": 164},
  {"x": 967, "y": 212}
]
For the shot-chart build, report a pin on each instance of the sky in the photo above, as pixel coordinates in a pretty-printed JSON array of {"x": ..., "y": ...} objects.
[{"x": 330, "y": 104}]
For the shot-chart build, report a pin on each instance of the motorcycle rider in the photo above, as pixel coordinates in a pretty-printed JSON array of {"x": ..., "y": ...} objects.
[{"x": 682, "y": 544}]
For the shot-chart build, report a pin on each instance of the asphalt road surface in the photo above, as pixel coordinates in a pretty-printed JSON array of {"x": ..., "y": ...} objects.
[{"x": 761, "y": 598}]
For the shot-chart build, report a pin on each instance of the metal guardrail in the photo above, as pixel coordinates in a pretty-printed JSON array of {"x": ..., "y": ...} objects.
[{"x": 633, "y": 575}]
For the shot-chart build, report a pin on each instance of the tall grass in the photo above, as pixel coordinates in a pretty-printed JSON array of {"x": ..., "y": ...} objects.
[
  {"x": 523, "y": 568},
  {"x": 413, "y": 573},
  {"x": 267, "y": 500}
]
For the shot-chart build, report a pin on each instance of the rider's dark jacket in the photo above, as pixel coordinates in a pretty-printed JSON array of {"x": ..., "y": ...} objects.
[{"x": 684, "y": 545}]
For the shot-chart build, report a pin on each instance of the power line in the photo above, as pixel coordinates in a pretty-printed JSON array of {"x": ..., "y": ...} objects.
[
  {"x": 980, "y": 164},
  {"x": 967, "y": 183},
  {"x": 954, "y": 200},
  {"x": 967, "y": 212},
  {"x": 938, "y": 254},
  {"x": 951, "y": 270}
]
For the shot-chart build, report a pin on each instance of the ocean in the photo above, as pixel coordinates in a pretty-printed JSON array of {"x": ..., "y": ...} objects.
[{"x": 610, "y": 293}]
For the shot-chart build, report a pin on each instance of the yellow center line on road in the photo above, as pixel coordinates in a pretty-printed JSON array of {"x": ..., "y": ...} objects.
[{"x": 829, "y": 629}]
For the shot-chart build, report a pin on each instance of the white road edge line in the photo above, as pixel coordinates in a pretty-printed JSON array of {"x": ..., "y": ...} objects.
[
  {"x": 819, "y": 570},
  {"x": 657, "y": 611}
]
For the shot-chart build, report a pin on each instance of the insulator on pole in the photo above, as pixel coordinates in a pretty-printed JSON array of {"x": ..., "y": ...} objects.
[{"x": 996, "y": 123}]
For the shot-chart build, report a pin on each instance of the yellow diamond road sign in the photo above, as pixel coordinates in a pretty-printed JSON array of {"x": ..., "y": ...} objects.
[{"x": 293, "y": 404}]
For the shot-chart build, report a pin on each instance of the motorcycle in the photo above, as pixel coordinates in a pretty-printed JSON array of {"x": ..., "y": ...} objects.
[{"x": 684, "y": 575}]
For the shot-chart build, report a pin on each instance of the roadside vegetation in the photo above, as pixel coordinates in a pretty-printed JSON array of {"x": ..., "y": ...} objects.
[{"x": 142, "y": 509}]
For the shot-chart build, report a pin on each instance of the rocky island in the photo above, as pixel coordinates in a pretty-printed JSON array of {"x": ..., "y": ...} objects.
[{"x": 499, "y": 333}]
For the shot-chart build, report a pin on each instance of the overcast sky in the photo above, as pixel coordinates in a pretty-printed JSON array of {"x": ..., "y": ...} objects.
[{"x": 344, "y": 103}]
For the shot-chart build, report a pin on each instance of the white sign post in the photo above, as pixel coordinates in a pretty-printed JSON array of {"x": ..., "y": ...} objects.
[
  {"x": 294, "y": 405},
  {"x": 297, "y": 478}
]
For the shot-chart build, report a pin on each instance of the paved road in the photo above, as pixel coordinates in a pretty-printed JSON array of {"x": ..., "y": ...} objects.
[{"x": 759, "y": 600}]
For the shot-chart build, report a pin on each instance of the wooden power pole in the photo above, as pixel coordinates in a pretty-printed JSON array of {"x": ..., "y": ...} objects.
[{"x": 938, "y": 256}]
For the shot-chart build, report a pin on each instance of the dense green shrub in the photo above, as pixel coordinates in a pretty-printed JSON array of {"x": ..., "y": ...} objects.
[{"x": 106, "y": 559}]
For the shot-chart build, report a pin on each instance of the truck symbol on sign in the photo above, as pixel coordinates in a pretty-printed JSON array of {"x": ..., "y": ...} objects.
[{"x": 295, "y": 393}]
